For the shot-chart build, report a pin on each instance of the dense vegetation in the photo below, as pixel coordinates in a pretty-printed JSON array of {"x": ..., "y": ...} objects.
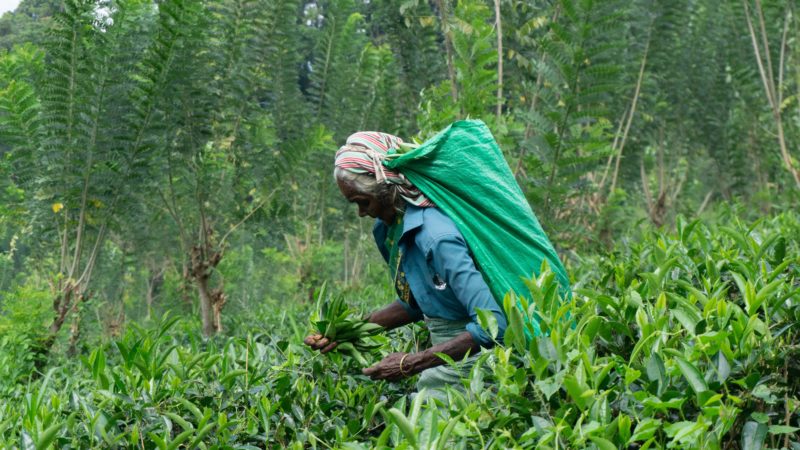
[
  {"x": 684, "y": 339},
  {"x": 168, "y": 216}
]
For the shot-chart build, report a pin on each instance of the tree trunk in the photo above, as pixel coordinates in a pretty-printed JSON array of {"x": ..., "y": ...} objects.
[
  {"x": 65, "y": 301},
  {"x": 211, "y": 300},
  {"x": 154, "y": 283},
  {"x": 772, "y": 92},
  {"x": 74, "y": 335},
  {"x": 206, "y": 306},
  {"x": 444, "y": 17},
  {"x": 499, "y": 25}
]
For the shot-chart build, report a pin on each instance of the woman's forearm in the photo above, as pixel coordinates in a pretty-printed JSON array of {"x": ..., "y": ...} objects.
[
  {"x": 392, "y": 316},
  {"x": 456, "y": 348}
]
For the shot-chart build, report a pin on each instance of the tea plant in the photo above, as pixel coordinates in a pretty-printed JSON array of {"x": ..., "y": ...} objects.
[
  {"x": 353, "y": 336},
  {"x": 684, "y": 339}
]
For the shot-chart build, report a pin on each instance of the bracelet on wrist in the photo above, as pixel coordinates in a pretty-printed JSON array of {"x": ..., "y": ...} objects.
[{"x": 403, "y": 372}]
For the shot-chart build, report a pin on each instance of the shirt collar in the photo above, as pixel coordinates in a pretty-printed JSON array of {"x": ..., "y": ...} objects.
[{"x": 412, "y": 219}]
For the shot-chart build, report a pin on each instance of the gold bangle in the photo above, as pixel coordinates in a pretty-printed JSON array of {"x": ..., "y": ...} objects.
[{"x": 402, "y": 372}]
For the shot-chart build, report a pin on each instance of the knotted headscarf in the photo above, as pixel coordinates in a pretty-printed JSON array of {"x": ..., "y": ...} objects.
[{"x": 364, "y": 153}]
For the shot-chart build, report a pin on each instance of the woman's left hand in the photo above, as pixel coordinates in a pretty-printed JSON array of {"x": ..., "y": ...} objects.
[{"x": 389, "y": 368}]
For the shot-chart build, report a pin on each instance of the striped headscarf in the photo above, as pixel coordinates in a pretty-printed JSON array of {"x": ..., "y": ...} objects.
[{"x": 364, "y": 153}]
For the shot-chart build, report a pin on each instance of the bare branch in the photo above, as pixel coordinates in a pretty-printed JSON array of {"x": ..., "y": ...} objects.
[
  {"x": 767, "y": 55},
  {"x": 757, "y": 51},
  {"x": 630, "y": 116},
  {"x": 783, "y": 57},
  {"x": 233, "y": 228},
  {"x": 648, "y": 197},
  {"x": 705, "y": 203}
]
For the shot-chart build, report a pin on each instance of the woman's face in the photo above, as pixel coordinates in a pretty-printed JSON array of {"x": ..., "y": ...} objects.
[{"x": 368, "y": 205}]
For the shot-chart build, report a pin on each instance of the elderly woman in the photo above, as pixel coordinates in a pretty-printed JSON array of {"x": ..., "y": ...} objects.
[{"x": 430, "y": 264}]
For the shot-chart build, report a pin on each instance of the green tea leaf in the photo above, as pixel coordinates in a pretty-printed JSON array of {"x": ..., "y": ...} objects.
[
  {"x": 753, "y": 435},
  {"x": 645, "y": 430},
  {"x": 575, "y": 390},
  {"x": 398, "y": 418},
  {"x": 603, "y": 444},
  {"x": 692, "y": 375},
  {"x": 47, "y": 436},
  {"x": 783, "y": 429},
  {"x": 488, "y": 322}
]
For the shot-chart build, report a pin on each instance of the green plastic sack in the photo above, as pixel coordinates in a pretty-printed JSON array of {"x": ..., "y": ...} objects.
[{"x": 463, "y": 171}]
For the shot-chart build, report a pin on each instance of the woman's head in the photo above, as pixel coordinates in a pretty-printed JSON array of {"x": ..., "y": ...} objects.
[
  {"x": 364, "y": 180},
  {"x": 374, "y": 199}
]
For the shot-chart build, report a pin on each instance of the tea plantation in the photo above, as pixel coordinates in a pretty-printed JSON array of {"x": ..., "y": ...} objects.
[{"x": 682, "y": 339}]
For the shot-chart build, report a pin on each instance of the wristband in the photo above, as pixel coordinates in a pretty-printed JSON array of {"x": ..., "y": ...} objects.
[{"x": 402, "y": 372}]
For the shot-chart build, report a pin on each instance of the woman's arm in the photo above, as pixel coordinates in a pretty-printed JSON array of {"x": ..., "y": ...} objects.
[
  {"x": 389, "y": 317},
  {"x": 412, "y": 363}
]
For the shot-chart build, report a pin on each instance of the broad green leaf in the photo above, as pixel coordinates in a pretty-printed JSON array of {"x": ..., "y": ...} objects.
[
  {"x": 645, "y": 430},
  {"x": 782, "y": 429},
  {"x": 551, "y": 385},
  {"x": 231, "y": 375},
  {"x": 180, "y": 421},
  {"x": 624, "y": 427},
  {"x": 686, "y": 319},
  {"x": 398, "y": 418},
  {"x": 201, "y": 434},
  {"x": 753, "y": 435},
  {"x": 47, "y": 436},
  {"x": 192, "y": 408},
  {"x": 723, "y": 367},
  {"x": 451, "y": 424},
  {"x": 576, "y": 391},
  {"x": 631, "y": 375},
  {"x": 488, "y": 322},
  {"x": 692, "y": 375},
  {"x": 603, "y": 444},
  {"x": 179, "y": 439},
  {"x": 656, "y": 370}
]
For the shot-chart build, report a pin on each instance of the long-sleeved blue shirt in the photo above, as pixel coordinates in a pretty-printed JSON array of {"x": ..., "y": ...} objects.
[{"x": 440, "y": 272}]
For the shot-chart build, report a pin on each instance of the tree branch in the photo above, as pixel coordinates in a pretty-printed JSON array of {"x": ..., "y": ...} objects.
[
  {"x": 448, "y": 46},
  {"x": 630, "y": 116},
  {"x": 499, "y": 25}
]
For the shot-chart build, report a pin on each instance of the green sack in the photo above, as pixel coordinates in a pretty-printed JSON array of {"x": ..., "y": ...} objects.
[{"x": 463, "y": 171}]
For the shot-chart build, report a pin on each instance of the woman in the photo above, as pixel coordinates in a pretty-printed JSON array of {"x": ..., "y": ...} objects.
[{"x": 434, "y": 275}]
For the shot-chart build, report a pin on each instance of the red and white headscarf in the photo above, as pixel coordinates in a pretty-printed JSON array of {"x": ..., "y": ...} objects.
[{"x": 364, "y": 153}]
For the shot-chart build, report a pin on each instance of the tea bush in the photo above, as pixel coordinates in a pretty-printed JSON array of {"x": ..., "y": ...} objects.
[{"x": 684, "y": 339}]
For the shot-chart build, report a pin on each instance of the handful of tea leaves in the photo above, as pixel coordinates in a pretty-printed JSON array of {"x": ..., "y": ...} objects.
[{"x": 335, "y": 321}]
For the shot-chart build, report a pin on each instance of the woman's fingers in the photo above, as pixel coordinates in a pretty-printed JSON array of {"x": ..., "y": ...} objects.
[
  {"x": 316, "y": 341},
  {"x": 320, "y": 342},
  {"x": 386, "y": 369},
  {"x": 329, "y": 347}
]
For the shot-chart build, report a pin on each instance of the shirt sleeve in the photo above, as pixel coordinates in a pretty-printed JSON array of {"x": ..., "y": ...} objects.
[
  {"x": 451, "y": 261},
  {"x": 414, "y": 313}
]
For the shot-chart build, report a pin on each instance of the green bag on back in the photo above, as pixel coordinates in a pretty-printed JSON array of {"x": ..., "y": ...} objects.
[{"x": 463, "y": 171}]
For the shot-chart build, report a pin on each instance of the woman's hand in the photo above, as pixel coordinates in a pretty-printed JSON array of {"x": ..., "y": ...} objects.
[
  {"x": 389, "y": 368},
  {"x": 320, "y": 342}
]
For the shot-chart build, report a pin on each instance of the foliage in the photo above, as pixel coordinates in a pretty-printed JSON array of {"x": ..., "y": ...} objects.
[
  {"x": 24, "y": 315},
  {"x": 686, "y": 339},
  {"x": 475, "y": 80},
  {"x": 570, "y": 73},
  {"x": 157, "y": 153}
]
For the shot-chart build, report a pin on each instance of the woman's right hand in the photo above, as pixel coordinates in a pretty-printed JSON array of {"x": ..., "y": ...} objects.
[{"x": 320, "y": 342}]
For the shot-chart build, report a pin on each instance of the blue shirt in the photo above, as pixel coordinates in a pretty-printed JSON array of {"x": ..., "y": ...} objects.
[{"x": 444, "y": 281}]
